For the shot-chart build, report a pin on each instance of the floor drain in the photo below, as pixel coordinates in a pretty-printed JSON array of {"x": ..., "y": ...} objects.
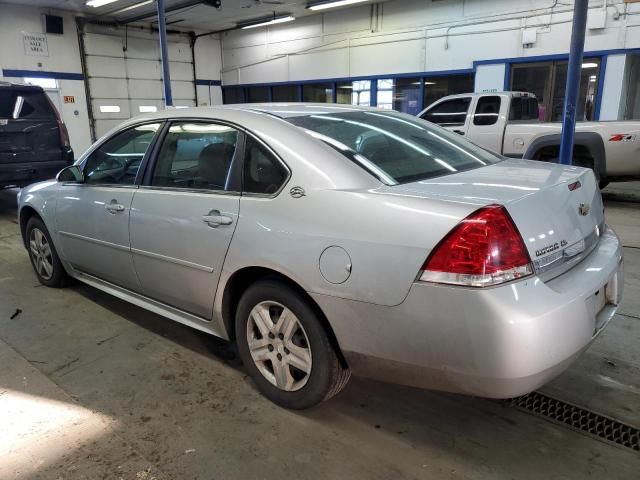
[{"x": 580, "y": 419}]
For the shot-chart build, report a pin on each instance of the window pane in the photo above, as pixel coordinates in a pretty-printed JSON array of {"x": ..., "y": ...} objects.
[
  {"x": 258, "y": 94},
  {"x": 385, "y": 93},
  {"x": 523, "y": 108},
  {"x": 262, "y": 173},
  {"x": 487, "y": 111},
  {"x": 450, "y": 113},
  {"x": 354, "y": 93},
  {"x": 117, "y": 160},
  {"x": 406, "y": 95},
  {"x": 394, "y": 147},
  {"x": 195, "y": 156},
  {"x": 17, "y": 103},
  {"x": 588, "y": 87},
  {"x": 233, "y": 95},
  {"x": 534, "y": 79},
  {"x": 632, "y": 107},
  {"x": 285, "y": 93},
  {"x": 437, "y": 87},
  {"x": 317, "y": 93}
]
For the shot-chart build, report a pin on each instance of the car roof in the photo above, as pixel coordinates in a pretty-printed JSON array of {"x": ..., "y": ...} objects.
[{"x": 20, "y": 86}]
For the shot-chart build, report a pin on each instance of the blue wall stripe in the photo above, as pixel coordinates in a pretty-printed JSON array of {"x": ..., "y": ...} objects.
[
  {"x": 210, "y": 83},
  {"x": 42, "y": 74}
]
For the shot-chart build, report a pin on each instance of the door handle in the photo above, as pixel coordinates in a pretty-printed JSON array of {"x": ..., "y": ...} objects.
[
  {"x": 114, "y": 207},
  {"x": 214, "y": 219},
  {"x": 459, "y": 132}
]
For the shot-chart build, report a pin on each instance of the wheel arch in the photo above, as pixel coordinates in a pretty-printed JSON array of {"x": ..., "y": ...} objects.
[
  {"x": 26, "y": 213},
  {"x": 243, "y": 278},
  {"x": 590, "y": 141}
]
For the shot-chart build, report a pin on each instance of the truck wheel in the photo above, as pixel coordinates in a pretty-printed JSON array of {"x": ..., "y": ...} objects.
[{"x": 285, "y": 347}]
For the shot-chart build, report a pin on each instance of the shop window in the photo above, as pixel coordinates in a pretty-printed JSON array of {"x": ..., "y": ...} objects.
[
  {"x": 317, "y": 93},
  {"x": 257, "y": 94},
  {"x": 385, "y": 93},
  {"x": 406, "y": 95},
  {"x": 632, "y": 107},
  {"x": 547, "y": 80},
  {"x": 233, "y": 94},
  {"x": 284, "y": 93},
  {"x": 437, "y": 87}
]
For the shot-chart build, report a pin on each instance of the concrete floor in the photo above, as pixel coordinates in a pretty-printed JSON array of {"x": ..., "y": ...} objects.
[{"x": 91, "y": 387}]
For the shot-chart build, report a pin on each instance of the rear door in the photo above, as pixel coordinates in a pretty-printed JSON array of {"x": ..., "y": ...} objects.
[
  {"x": 451, "y": 114},
  {"x": 28, "y": 127},
  {"x": 184, "y": 216},
  {"x": 486, "y": 125}
]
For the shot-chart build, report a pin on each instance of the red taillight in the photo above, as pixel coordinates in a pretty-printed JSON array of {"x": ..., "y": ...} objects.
[{"x": 484, "y": 249}]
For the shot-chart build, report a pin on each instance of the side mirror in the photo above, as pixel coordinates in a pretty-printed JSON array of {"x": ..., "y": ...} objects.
[{"x": 72, "y": 173}]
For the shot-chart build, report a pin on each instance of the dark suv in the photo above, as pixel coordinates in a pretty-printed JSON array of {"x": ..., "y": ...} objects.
[{"x": 34, "y": 142}]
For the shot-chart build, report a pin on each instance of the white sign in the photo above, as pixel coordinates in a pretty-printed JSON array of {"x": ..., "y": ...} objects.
[{"x": 35, "y": 44}]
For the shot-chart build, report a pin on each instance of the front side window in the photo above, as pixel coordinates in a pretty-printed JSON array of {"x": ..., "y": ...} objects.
[
  {"x": 487, "y": 111},
  {"x": 450, "y": 113},
  {"x": 393, "y": 147},
  {"x": 262, "y": 172},
  {"x": 195, "y": 156},
  {"x": 116, "y": 161}
]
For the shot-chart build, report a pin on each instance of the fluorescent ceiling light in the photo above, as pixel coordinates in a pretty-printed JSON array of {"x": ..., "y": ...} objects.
[
  {"x": 262, "y": 23},
  {"x": 131, "y": 7},
  {"x": 98, "y": 3},
  {"x": 589, "y": 65},
  {"x": 336, "y": 3},
  {"x": 109, "y": 109}
]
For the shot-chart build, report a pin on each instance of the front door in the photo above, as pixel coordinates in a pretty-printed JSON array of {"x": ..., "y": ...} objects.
[
  {"x": 93, "y": 217},
  {"x": 183, "y": 217}
]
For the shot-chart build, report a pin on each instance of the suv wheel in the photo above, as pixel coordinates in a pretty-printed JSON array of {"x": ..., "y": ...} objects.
[{"x": 286, "y": 348}]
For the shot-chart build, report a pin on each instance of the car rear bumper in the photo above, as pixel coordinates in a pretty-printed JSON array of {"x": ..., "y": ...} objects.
[
  {"x": 496, "y": 342},
  {"x": 22, "y": 174}
]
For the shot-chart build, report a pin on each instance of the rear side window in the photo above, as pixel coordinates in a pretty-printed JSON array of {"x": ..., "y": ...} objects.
[
  {"x": 116, "y": 161},
  {"x": 487, "y": 111},
  {"x": 450, "y": 113},
  {"x": 17, "y": 104},
  {"x": 523, "y": 108},
  {"x": 196, "y": 156},
  {"x": 262, "y": 172}
]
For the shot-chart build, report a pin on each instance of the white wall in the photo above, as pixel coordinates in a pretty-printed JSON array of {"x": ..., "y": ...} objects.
[
  {"x": 208, "y": 60},
  {"x": 404, "y": 36},
  {"x": 64, "y": 56}
]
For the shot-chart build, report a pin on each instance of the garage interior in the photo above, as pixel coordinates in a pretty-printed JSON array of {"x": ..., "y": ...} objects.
[{"x": 94, "y": 387}]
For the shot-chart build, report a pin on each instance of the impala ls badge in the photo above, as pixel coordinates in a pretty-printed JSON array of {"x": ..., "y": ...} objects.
[
  {"x": 584, "y": 209},
  {"x": 297, "y": 192}
]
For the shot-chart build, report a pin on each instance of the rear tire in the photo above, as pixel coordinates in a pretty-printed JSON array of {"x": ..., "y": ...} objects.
[
  {"x": 285, "y": 347},
  {"x": 43, "y": 255}
]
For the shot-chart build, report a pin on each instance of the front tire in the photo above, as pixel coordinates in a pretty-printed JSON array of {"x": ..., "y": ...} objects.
[
  {"x": 285, "y": 347},
  {"x": 42, "y": 253}
]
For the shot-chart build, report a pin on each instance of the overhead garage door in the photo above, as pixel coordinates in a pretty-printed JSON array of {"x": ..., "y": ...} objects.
[{"x": 124, "y": 75}]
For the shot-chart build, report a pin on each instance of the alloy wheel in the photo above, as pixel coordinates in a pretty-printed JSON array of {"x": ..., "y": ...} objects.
[
  {"x": 41, "y": 254},
  {"x": 279, "y": 346}
]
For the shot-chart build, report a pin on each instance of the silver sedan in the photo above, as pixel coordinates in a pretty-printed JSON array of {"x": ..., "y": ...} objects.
[{"x": 327, "y": 239}]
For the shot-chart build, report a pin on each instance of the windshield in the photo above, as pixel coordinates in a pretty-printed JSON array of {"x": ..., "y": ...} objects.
[{"x": 394, "y": 147}]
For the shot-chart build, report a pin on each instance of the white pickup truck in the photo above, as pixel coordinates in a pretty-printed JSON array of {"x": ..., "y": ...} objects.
[{"x": 507, "y": 123}]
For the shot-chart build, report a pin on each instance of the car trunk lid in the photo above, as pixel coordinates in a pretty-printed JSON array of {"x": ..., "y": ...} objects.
[{"x": 557, "y": 209}]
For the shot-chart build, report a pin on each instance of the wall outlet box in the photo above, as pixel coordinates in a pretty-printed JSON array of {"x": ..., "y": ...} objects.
[{"x": 597, "y": 19}]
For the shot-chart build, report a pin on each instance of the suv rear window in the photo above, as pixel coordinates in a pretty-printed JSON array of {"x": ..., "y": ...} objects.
[
  {"x": 15, "y": 104},
  {"x": 395, "y": 148}
]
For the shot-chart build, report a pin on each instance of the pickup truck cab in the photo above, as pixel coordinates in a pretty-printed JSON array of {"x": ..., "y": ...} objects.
[{"x": 508, "y": 123}]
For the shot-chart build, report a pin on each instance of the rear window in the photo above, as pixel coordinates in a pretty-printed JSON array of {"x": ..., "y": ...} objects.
[
  {"x": 393, "y": 147},
  {"x": 17, "y": 104},
  {"x": 523, "y": 108}
]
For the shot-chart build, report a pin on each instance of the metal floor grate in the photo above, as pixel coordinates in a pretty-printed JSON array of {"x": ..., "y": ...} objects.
[{"x": 580, "y": 419}]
